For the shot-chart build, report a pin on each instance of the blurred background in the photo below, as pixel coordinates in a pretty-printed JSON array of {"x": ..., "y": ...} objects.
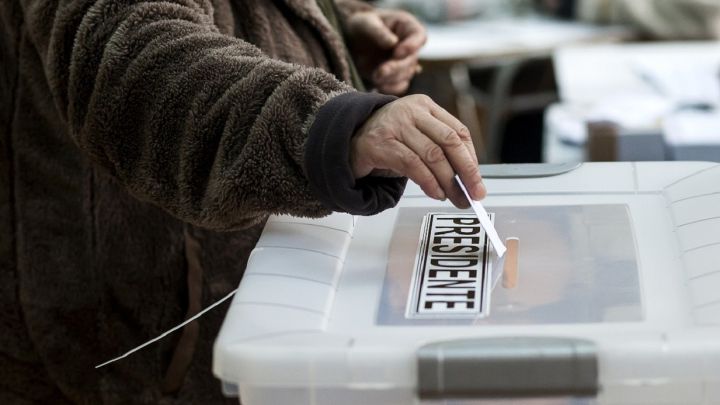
[{"x": 576, "y": 80}]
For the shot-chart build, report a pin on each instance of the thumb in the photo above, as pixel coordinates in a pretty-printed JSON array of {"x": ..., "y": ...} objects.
[{"x": 380, "y": 33}]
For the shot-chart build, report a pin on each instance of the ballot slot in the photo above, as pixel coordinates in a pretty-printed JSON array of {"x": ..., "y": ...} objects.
[{"x": 578, "y": 265}]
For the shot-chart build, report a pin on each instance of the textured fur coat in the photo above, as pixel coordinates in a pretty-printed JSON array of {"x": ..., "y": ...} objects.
[{"x": 143, "y": 145}]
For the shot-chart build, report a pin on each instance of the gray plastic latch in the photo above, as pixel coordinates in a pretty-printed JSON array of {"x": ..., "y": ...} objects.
[{"x": 508, "y": 367}]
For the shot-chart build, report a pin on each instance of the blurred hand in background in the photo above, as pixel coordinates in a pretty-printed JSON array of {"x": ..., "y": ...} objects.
[{"x": 385, "y": 44}]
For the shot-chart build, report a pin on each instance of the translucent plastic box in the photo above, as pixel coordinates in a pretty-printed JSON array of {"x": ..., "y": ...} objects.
[{"x": 616, "y": 301}]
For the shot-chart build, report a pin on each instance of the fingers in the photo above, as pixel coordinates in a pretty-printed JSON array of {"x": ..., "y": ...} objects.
[
  {"x": 459, "y": 160},
  {"x": 396, "y": 70},
  {"x": 394, "y": 76},
  {"x": 464, "y": 133},
  {"x": 402, "y": 35},
  {"x": 401, "y": 159},
  {"x": 411, "y": 44},
  {"x": 414, "y": 137},
  {"x": 382, "y": 35},
  {"x": 410, "y": 31},
  {"x": 434, "y": 157},
  {"x": 472, "y": 178}
]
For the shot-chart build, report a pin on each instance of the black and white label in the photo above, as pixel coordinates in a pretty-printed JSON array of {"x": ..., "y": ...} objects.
[{"x": 452, "y": 269}]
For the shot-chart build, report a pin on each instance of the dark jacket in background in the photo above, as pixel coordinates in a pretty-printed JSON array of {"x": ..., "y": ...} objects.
[{"x": 133, "y": 133}]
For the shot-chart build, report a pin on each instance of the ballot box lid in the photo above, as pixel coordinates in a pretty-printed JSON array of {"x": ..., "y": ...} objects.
[{"x": 616, "y": 295}]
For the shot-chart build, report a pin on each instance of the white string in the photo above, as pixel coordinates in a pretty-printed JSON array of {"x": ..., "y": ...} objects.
[{"x": 169, "y": 331}]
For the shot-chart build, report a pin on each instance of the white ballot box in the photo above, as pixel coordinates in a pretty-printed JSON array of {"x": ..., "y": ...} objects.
[{"x": 615, "y": 298}]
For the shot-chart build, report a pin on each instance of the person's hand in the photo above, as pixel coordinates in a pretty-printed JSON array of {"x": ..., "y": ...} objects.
[
  {"x": 385, "y": 44},
  {"x": 415, "y": 137}
]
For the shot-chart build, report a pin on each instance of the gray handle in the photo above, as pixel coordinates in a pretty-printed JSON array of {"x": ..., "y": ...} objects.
[{"x": 508, "y": 367}]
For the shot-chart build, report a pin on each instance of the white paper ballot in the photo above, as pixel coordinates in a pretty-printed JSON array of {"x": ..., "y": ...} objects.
[{"x": 484, "y": 220}]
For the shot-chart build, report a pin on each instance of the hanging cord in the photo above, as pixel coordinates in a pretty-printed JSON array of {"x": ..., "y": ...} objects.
[{"x": 149, "y": 342}]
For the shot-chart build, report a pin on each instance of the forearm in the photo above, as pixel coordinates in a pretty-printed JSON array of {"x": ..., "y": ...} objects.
[{"x": 201, "y": 124}]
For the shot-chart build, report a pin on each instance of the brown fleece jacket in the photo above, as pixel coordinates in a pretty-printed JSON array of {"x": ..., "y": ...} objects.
[{"x": 133, "y": 131}]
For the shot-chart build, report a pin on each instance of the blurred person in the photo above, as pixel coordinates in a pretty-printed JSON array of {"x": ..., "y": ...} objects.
[
  {"x": 657, "y": 19},
  {"x": 144, "y": 145}
]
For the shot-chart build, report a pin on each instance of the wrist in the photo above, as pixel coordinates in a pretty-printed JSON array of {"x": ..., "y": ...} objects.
[{"x": 329, "y": 164}]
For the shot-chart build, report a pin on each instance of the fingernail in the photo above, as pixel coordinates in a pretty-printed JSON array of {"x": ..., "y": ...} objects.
[{"x": 440, "y": 194}]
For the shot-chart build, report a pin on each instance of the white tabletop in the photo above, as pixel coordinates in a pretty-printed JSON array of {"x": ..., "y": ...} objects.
[
  {"x": 480, "y": 39},
  {"x": 685, "y": 70},
  {"x": 668, "y": 88}
]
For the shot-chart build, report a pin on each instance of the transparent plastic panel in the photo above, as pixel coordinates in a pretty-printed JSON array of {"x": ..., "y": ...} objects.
[
  {"x": 577, "y": 264},
  {"x": 514, "y": 401},
  {"x": 258, "y": 395}
]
